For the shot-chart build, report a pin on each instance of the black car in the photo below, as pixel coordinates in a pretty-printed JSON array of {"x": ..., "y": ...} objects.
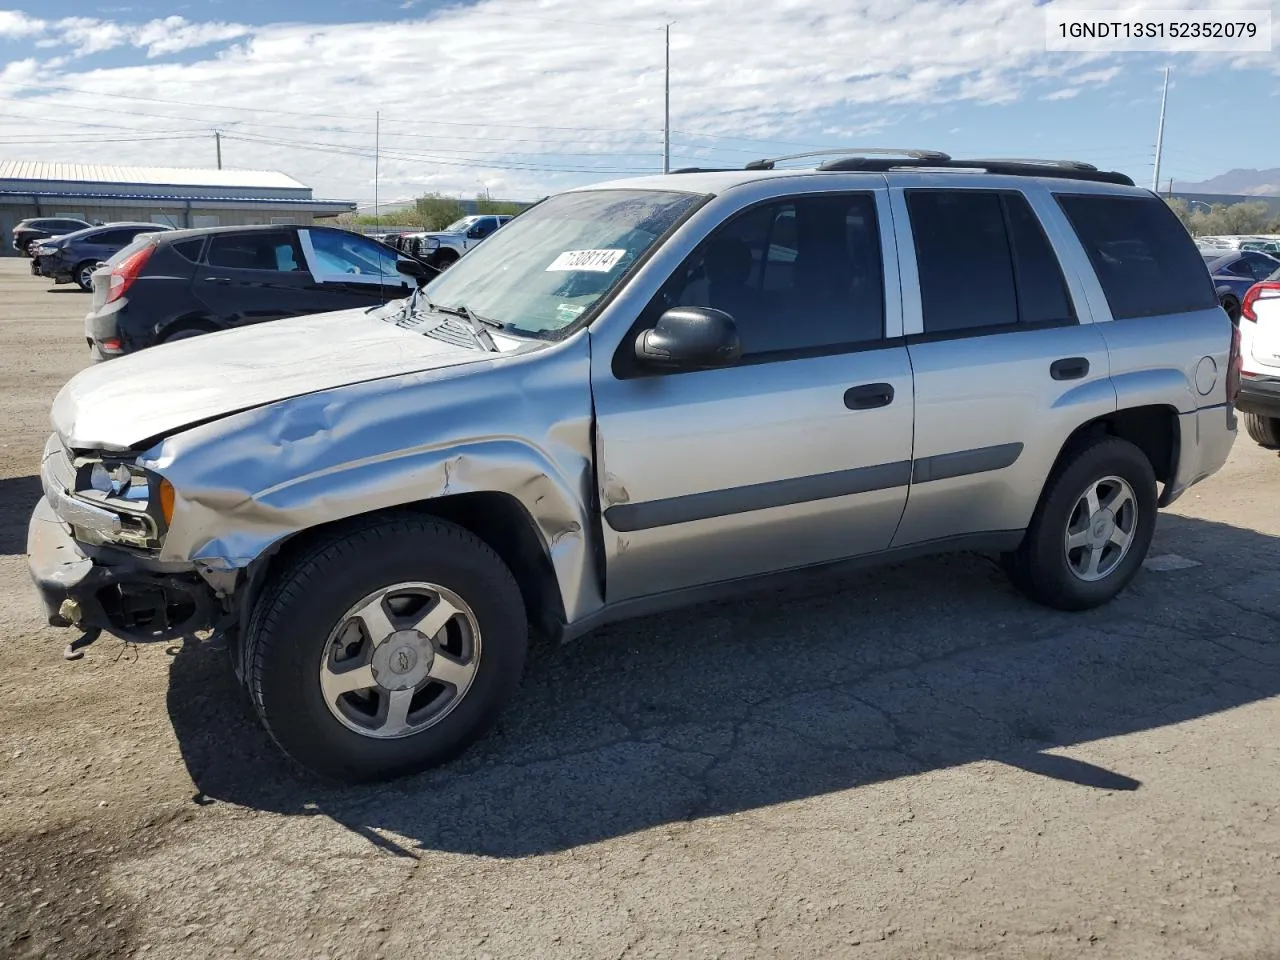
[
  {"x": 73, "y": 258},
  {"x": 188, "y": 282},
  {"x": 33, "y": 229}
]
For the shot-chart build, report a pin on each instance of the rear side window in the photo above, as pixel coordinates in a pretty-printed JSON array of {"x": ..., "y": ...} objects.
[
  {"x": 1145, "y": 260},
  {"x": 984, "y": 261},
  {"x": 254, "y": 251},
  {"x": 189, "y": 249}
]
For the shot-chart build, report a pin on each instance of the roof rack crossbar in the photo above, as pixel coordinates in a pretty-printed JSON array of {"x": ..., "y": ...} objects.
[
  {"x": 1014, "y": 168},
  {"x": 913, "y": 154},
  {"x": 1068, "y": 164}
]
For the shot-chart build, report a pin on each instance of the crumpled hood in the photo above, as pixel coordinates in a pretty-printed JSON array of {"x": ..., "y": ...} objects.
[{"x": 119, "y": 404}]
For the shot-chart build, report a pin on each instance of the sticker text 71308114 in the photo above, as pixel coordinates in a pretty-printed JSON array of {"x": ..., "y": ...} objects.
[{"x": 595, "y": 261}]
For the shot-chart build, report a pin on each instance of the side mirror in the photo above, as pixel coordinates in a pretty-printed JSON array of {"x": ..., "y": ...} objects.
[
  {"x": 475, "y": 233},
  {"x": 417, "y": 270},
  {"x": 696, "y": 338}
]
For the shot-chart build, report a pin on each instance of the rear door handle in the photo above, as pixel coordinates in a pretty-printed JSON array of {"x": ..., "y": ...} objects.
[
  {"x": 217, "y": 279},
  {"x": 869, "y": 396},
  {"x": 1069, "y": 368}
]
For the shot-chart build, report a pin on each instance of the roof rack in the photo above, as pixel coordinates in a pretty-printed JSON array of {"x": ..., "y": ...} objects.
[
  {"x": 850, "y": 151},
  {"x": 1066, "y": 169}
]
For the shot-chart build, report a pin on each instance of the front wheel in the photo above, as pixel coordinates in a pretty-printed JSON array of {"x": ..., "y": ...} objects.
[
  {"x": 1232, "y": 307},
  {"x": 1092, "y": 529},
  {"x": 84, "y": 276},
  {"x": 387, "y": 650},
  {"x": 1264, "y": 431}
]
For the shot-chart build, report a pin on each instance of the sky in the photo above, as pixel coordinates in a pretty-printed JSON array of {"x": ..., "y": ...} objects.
[{"x": 520, "y": 98}]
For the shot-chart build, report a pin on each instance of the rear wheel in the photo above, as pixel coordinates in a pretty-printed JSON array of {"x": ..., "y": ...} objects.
[
  {"x": 1092, "y": 529},
  {"x": 1265, "y": 431},
  {"x": 387, "y": 650},
  {"x": 185, "y": 333}
]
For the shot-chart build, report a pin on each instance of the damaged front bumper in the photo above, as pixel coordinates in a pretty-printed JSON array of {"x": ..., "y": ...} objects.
[{"x": 112, "y": 590}]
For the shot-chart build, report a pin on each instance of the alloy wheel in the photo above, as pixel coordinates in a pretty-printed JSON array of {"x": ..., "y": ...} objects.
[
  {"x": 1101, "y": 528},
  {"x": 400, "y": 660}
]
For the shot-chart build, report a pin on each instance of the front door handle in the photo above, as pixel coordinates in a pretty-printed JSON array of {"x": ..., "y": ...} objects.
[
  {"x": 869, "y": 396},
  {"x": 217, "y": 279},
  {"x": 1069, "y": 368}
]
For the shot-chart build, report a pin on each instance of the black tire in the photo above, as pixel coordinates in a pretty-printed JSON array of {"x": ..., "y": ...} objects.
[
  {"x": 1232, "y": 306},
  {"x": 445, "y": 259},
  {"x": 307, "y": 599},
  {"x": 1264, "y": 431},
  {"x": 83, "y": 275},
  {"x": 1039, "y": 566},
  {"x": 185, "y": 333}
]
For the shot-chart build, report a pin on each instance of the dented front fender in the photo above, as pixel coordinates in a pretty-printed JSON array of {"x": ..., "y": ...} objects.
[{"x": 515, "y": 424}]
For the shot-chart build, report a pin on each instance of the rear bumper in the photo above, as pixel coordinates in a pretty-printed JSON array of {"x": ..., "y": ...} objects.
[
  {"x": 1205, "y": 440},
  {"x": 102, "y": 330},
  {"x": 1259, "y": 395},
  {"x": 116, "y": 595}
]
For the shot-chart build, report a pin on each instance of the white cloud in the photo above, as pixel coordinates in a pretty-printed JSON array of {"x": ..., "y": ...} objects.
[
  {"x": 173, "y": 34},
  {"x": 471, "y": 94},
  {"x": 16, "y": 24}
]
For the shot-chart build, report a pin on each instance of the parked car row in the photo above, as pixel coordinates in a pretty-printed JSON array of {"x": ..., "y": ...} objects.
[
  {"x": 1263, "y": 242},
  {"x": 27, "y": 233},
  {"x": 72, "y": 257}
]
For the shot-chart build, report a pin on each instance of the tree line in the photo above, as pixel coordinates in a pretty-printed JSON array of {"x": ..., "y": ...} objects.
[
  {"x": 1225, "y": 219},
  {"x": 432, "y": 211}
]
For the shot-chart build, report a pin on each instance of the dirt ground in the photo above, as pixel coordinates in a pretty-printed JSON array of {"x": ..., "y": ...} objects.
[{"x": 912, "y": 762}]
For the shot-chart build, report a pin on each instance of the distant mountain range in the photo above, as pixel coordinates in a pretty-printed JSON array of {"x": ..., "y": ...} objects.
[{"x": 1249, "y": 183}]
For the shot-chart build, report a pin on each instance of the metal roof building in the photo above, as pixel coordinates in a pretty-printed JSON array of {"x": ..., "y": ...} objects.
[{"x": 176, "y": 196}]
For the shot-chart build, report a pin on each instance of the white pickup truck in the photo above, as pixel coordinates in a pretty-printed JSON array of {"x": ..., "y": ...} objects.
[{"x": 442, "y": 248}]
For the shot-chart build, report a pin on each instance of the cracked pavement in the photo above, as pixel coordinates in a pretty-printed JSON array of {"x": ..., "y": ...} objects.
[{"x": 907, "y": 762}]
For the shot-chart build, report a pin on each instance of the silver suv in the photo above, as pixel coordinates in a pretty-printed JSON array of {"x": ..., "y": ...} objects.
[{"x": 636, "y": 396}]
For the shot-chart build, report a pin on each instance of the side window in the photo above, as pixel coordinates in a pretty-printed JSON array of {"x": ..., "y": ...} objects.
[
  {"x": 111, "y": 238},
  {"x": 1261, "y": 267},
  {"x": 351, "y": 255},
  {"x": 984, "y": 261},
  {"x": 189, "y": 249},
  {"x": 254, "y": 251},
  {"x": 797, "y": 275},
  {"x": 1145, "y": 260}
]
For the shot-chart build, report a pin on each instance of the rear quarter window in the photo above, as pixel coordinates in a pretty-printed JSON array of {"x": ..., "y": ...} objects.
[{"x": 1144, "y": 258}]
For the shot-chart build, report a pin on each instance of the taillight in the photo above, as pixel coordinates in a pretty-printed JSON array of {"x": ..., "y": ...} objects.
[
  {"x": 1234, "y": 364},
  {"x": 1267, "y": 290},
  {"x": 126, "y": 271}
]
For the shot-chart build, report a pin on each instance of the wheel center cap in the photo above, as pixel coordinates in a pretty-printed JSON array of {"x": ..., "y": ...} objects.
[
  {"x": 1103, "y": 526},
  {"x": 403, "y": 660}
]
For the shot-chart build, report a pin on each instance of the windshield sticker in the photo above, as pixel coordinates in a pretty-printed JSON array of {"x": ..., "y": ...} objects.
[
  {"x": 568, "y": 312},
  {"x": 594, "y": 261}
]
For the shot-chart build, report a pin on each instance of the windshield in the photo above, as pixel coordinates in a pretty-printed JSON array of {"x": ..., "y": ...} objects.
[
  {"x": 458, "y": 226},
  {"x": 550, "y": 265}
]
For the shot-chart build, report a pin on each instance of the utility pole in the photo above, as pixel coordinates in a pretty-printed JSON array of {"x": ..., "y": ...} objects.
[
  {"x": 1164, "y": 99},
  {"x": 217, "y": 139},
  {"x": 666, "y": 126},
  {"x": 377, "y": 154}
]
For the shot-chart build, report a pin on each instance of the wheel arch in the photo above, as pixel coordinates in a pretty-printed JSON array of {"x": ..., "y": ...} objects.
[
  {"x": 499, "y": 519},
  {"x": 186, "y": 321},
  {"x": 1155, "y": 429}
]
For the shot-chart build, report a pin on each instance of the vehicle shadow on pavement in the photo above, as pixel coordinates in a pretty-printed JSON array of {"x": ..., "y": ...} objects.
[
  {"x": 18, "y": 496},
  {"x": 793, "y": 694}
]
